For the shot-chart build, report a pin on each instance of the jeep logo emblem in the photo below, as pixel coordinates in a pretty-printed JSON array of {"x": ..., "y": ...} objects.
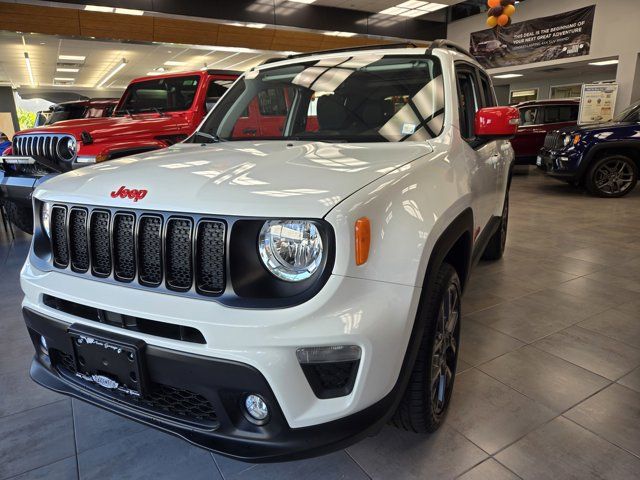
[{"x": 133, "y": 193}]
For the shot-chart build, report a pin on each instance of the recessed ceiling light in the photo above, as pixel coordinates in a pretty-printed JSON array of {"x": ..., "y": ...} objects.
[
  {"x": 173, "y": 63},
  {"x": 508, "y": 75},
  {"x": 118, "y": 67},
  {"x": 129, "y": 11},
  {"x": 413, "y": 8},
  {"x": 73, "y": 58},
  {"x": 68, "y": 70},
  {"x": 63, "y": 79},
  {"x": 340, "y": 34},
  {"x": 604, "y": 63},
  {"x": 98, "y": 8},
  {"x": 308, "y": 2}
]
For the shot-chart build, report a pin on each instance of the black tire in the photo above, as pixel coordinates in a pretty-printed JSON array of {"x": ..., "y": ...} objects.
[
  {"x": 495, "y": 248},
  {"x": 20, "y": 216},
  {"x": 425, "y": 402},
  {"x": 612, "y": 176}
]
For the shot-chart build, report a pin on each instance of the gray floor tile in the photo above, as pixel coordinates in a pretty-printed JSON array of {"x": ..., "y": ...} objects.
[
  {"x": 545, "y": 378},
  {"x": 35, "y": 438},
  {"x": 65, "y": 469},
  {"x": 479, "y": 344},
  {"x": 490, "y": 414},
  {"x": 632, "y": 380},
  {"x": 20, "y": 393},
  {"x": 489, "y": 470},
  {"x": 564, "y": 450},
  {"x": 396, "y": 454},
  {"x": 147, "y": 455},
  {"x": 337, "y": 465},
  {"x": 607, "y": 294},
  {"x": 597, "y": 353},
  {"x": 615, "y": 324},
  {"x": 614, "y": 414},
  {"x": 16, "y": 356},
  {"x": 95, "y": 426}
]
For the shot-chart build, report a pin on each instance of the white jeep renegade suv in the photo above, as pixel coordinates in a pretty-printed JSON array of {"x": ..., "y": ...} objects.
[{"x": 289, "y": 278}]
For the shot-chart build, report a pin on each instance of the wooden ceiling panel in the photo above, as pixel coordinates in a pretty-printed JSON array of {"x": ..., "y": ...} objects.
[
  {"x": 258, "y": 38},
  {"x": 31, "y": 18},
  {"x": 185, "y": 31},
  {"x": 116, "y": 26}
]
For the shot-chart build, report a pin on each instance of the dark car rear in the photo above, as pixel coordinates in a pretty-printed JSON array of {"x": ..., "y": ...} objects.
[{"x": 537, "y": 118}]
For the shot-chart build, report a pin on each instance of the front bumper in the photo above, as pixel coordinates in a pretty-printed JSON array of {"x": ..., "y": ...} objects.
[
  {"x": 223, "y": 383},
  {"x": 376, "y": 316},
  {"x": 557, "y": 164}
]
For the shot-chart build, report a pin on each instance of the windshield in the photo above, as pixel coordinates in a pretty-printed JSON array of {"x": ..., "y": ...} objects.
[
  {"x": 66, "y": 112},
  {"x": 159, "y": 95},
  {"x": 365, "y": 98},
  {"x": 630, "y": 114}
]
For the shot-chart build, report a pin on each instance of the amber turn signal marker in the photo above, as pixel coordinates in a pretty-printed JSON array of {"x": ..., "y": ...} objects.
[{"x": 363, "y": 240}]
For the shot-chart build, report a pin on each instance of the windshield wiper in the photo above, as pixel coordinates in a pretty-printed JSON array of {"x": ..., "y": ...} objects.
[{"x": 208, "y": 136}]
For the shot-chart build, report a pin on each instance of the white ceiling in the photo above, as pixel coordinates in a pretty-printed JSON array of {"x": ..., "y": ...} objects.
[
  {"x": 103, "y": 56},
  {"x": 372, "y": 5}
]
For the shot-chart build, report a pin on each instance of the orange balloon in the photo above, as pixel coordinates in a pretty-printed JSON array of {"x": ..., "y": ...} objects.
[
  {"x": 503, "y": 20},
  {"x": 493, "y": 3},
  {"x": 492, "y": 22},
  {"x": 509, "y": 10}
]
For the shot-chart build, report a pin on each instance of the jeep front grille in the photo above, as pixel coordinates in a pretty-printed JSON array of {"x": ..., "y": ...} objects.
[
  {"x": 176, "y": 252},
  {"x": 43, "y": 145},
  {"x": 553, "y": 141}
]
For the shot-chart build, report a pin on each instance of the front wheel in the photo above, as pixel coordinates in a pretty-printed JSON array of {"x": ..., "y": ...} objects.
[
  {"x": 426, "y": 400},
  {"x": 612, "y": 176}
]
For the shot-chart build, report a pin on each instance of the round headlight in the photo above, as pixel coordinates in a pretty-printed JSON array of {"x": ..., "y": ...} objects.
[
  {"x": 45, "y": 218},
  {"x": 567, "y": 140},
  {"x": 66, "y": 149},
  {"x": 291, "y": 250}
]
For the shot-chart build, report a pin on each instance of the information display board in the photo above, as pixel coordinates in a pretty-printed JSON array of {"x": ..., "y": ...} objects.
[{"x": 597, "y": 103}]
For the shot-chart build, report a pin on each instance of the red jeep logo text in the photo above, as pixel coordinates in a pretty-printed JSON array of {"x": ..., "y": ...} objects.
[{"x": 133, "y": 194}]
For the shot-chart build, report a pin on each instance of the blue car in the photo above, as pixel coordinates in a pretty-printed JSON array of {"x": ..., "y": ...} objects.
[{"x": 604, "y": 158}]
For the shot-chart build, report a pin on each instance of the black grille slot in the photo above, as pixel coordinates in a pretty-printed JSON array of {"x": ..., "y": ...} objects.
[
  {"x": 100, "y": 243},
  {"x": 210, "y": 257},
  {"x": 59, "y": 244},
  {"x": 124, "y": 256},
  {"x": 150, "y": 249},
  {"x": 78, "y": 244},
  {"x": 179, "y": 257}
]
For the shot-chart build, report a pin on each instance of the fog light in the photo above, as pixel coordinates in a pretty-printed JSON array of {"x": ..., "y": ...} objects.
[
  {"x": 335, "y": 353},
  {"x": 256, "y": 408}
]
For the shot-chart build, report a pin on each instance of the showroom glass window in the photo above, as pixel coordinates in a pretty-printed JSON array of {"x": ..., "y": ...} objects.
[
  {"x": 159, "y": 95},
  {"x": 349, "y": 99}
]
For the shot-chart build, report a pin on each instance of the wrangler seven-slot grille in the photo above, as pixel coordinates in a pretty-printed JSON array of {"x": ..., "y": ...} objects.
[
  {"x": 553, "y": 141},
  {"x": 181, "y": 252}
]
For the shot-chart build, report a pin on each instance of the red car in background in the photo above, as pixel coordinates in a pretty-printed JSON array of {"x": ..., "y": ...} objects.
[
  {"x": 91, "y": 108},
  {"x": 537, "y": 118}
]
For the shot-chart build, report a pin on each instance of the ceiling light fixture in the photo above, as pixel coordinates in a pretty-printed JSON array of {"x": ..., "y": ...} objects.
[
  {"x": 73, "y": 58},
  {"x": 174, "y": 63},
  {"x": 27, "y": 60},
  {"x": 129, "y": 11},
  {"x": 509, "y": 75},
  {"x": 340, "y": 34},
  {"x": 64, "y": 79},
  {"x": 306, "y": 2},
  {"x": 604, "y": 63},
  {"x": 118, "y": 67},
  {"x": 67, "y": 70},
  {"x": 413, "y": 8},
  {"x": 98, "y": 8}
]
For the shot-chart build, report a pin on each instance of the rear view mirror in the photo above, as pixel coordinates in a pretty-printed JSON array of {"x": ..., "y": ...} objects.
[{"x": 497, "y": 122}]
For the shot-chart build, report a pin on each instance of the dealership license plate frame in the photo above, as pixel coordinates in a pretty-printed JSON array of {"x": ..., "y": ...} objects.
[{"x": 109, "y": 360}]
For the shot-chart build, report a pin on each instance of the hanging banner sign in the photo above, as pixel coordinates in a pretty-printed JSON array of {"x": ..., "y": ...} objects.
[
  {"x": 597, "y": 103},
  {"x": 549, "y": 38}
]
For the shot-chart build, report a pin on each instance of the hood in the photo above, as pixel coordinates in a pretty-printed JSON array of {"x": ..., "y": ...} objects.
[
  {"x": 287, "y": 179},
  {"x": 596, "y": 128},
  {"x": 108, "y": 126}
]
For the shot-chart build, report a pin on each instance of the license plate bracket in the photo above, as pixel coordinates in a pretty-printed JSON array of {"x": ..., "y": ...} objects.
[{"x": 114, "y": 362}]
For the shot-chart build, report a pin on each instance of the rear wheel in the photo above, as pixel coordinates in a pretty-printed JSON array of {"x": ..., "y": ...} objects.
[
  {"x": 497, "y": 243},
  {"x": 20, "y": 216},
  {"x": 427, "y": 397},
  {"x": 612, "y": 176}
]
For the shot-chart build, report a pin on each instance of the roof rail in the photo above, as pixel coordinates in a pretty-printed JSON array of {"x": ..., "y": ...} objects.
[{"x": 448, "y": 44}]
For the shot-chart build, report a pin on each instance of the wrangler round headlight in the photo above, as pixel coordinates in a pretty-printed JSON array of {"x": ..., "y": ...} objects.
[
  {"x": 291, "y": 250},
  {"x": 66, "y": 149}
]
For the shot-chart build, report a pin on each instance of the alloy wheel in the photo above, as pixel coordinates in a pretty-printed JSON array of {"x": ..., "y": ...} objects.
[
  {"x": 614, "y": 177},
  {"x": 445, "y": 349}
]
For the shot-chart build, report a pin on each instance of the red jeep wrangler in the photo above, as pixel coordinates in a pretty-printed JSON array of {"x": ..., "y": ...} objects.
[{"x": 154, "y": 112}]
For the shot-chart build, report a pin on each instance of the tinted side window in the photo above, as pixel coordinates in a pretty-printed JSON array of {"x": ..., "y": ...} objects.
[
  {"x": 529, "y": 116},
  {"x": 468, "y": 103},
  {"x": 272, "y": 102},
  {"x": 215, "y": 90},
  {"x": 487, "y": 90},
  {"x": 560, "y": 113}
]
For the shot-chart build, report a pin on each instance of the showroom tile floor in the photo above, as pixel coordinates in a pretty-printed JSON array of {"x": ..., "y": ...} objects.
[{"x": 548, "y": 383}]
